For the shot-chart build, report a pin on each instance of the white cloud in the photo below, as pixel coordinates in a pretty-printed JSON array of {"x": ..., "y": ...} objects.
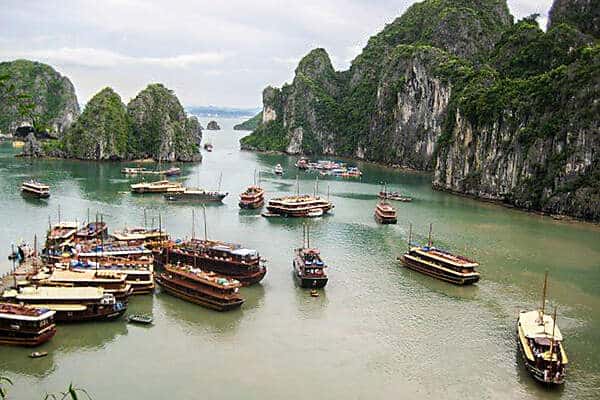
[{"x": 100, "y": 58}]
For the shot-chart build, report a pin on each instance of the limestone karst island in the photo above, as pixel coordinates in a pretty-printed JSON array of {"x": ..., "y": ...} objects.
[{"x": 324, "y": 200}]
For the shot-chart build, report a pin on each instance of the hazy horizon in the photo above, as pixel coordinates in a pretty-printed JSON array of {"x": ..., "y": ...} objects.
[{"x": 207, "y": 53}]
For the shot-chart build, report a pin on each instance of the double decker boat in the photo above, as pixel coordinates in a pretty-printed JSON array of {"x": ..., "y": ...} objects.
[
  {"x": 60, "y": 233},
  {"x": 252, "y": 197},
  {"x": 308, "y": 267},
  {"x": 204, "y": 288},
  {"x": 139, "y": 235},
  {"x": 440, "y": 264},
  {"x": 112, "y": 282},
  {"x": 540, "y": 343},
  {"x": 227, "y": 259},
  {"x": 194, "y": 194},
  {"x": 72, "y": 304},
  {"x": 162, "y": 186},
  {"x": 385, "y": 213},
  {"x": 92, "y": 230},
  {"x": 172, "y": 171},
  {"x": 299, "y": 206},
  {"x": 35, "y": 189},
  {"x": 25, "y": 326}
]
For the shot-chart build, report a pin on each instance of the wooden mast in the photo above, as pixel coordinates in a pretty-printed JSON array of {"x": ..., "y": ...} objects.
[
  {"x": 553, "y": 329},
  {"x": 430, "y": 242},
  {"x": 205, "y": 227},
  {"x": 543, "y": 307},
  {"x": 409, "y": 235},
  {"x": 193, "y": 224}
]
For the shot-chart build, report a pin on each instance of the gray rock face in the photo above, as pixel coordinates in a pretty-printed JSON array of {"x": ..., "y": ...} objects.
[
  {"x": 160, "y": 127},
  {"x": 213, "y": 126},
  {"x": 32, "y": 147},
  {"x": 583, "y": 14},
  {"x": 52, "y": 97}
]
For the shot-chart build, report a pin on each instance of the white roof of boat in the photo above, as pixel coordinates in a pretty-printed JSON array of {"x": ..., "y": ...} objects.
[
  {"x": 60, "y": 293},
  {"x": 245, "y": 252},
  {"x": 534, "y": 328},
  {"x": 46, "y": 314}
]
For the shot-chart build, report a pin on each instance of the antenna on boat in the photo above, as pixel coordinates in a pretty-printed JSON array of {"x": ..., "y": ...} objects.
[
  {"x": 553, "y": 328},
  {"x": 254, "y": 176},
  {"x": 297, "y": 187},
  {"x": 14, "y": 265},
  {"x": 317, "y": 186},
  {"x": 49, "y": 223},
  {"x": 159, "y": 229},
  {"x": 327, "y": 192},
  {"x": 543, "y": 308},
  {"x": 145, "y": 220},
  {"x": 193, "y": 224},
  {"x": 220, "y": 177},
  {"x": 304, "y": 235},
  {"x": 259, "y": 177},
  {"x": 409, "y": 235},
  {"x": 429, "y": 242},
  {"x": 307, "y": 237},
  {"x": 204, "y": 216},
  {"x": 88, "y": 215},
  {"x": 59, "y": 213}
]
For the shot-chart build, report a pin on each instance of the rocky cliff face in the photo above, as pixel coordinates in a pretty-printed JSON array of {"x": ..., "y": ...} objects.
[
  {"x": 582, "y": 14},
  {"x": 160, "y": 127},
  {"x": 213, "y": 126},
  {"x": 33, "y": 94},
  {"x": 102, "y": 130},
  {"x": 497, "y": 110}
]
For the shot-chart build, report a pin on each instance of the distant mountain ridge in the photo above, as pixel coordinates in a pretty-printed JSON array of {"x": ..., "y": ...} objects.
[{"x": 224, "y": 112}]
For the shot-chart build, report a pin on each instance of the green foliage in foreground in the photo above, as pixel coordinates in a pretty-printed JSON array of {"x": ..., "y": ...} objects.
[{"x": 72, "y": 392}]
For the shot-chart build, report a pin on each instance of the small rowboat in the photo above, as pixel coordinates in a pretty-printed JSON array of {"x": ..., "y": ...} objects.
[
  {"x": 140, "y": 319},
  {"x": 38, "y": 354}
]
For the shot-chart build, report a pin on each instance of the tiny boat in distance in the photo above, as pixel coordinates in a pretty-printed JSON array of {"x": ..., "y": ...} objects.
[
  {"x": 252, "y": 197},
  {"x": 278, "y": 170},
  {"x": 38, "y": 354},
  {"x": 155, "y": 187},
  {"x": 204, "y": 288},
  {"x": 385, "y": 213},
  {"x": 208, "y": 147},
  {"x": 25, "y": 326},
  {"x": 35, "y": 189},
  {"x": 308, "y": 267},
  {"x": 194, "y": 194},
  {"x": 439, "y": 263},
  {"x": 395, "y": 196},
  {"x": 540, "y": 344}
]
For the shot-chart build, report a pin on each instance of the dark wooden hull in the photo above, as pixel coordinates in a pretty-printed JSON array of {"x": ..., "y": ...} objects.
[
  {"x": 536, "y": 373},
  {"x": 202, "y": 301},
  {"x": 221, "y": 267},
  {"x": 27, "y": 342},
  {"x": 437, "y": 273},
  {"x": 251, "y": 205},
  {"x": 106, "y": 314},
  {"x": 309, "y": 282},
  {"x": 35, "y": 194},
  {"x": 385, "y": 220}
]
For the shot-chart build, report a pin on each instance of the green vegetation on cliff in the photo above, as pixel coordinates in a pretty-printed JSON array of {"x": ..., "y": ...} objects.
[
  {"x": 34, "y": 94},
  {"x": 102, "y": 131},
  {"x": 250, "y": 124}
]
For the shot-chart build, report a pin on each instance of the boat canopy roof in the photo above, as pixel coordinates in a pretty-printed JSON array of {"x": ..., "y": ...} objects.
[
  {"x": 245, "y": 252},
  {"x": 60, "y": 293},
  {"x": 534, "y": 328}
]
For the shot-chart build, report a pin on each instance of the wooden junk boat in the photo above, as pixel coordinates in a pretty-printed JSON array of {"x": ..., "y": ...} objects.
[
  {"x": 227, "y": 259},
  {"x": 25, "y": 326},
  {"x": 440, "y": 263},
  {"x": 92, "y": 230},
  {"x": 385, "y": 213},
  {"x": 140, "y": 235},
  {"x": 72, "y": 304},
  {"x": 60, "y": 233},
  {"x": 308, "y": 267},
  {"x": 204, "y": 288},
  {"x": 395, "y": 196},
  {"x": 172, "y": 171},
  {"x": 112, "y": 282},
  {"x": 299, "y": 206},
  {"x": 540, "y": 343},
  {"x": 194, "y": 194},
  {"x": 35, "y": 189},
  {"x": 252, "y": 197},
  {"x": 155, "y": 187}
]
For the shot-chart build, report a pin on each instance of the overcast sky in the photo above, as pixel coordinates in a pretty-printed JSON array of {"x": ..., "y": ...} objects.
[{"x": 209, "y": 52}]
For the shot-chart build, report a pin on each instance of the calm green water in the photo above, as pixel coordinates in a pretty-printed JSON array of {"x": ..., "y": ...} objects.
[{"x": 377, "y": 331}]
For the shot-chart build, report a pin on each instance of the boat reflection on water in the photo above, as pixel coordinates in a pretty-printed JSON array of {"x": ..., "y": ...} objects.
[
  {"x": 74, "y": 338},
  {"x": 197, "y": 320},
  {"x": 309, "y": 306}
]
